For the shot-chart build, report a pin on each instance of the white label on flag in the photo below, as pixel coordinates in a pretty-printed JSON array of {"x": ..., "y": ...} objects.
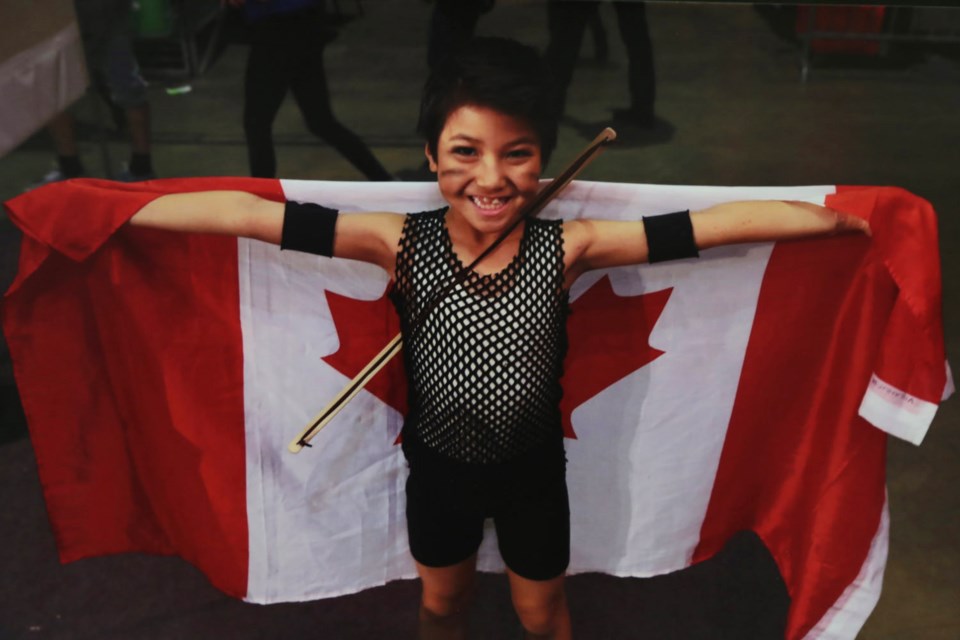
[{"x": 896, "y": 412}]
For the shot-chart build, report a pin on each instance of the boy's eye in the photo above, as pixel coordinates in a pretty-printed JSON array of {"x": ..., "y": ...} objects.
[
  {"x": 520, "y": 153},
  {"x": 464, "y": 151}
]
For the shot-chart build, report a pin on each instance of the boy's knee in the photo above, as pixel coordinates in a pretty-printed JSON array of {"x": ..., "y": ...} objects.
[
  {"x": 443, "y": 603},
  {"x": 541, "y": 616}
]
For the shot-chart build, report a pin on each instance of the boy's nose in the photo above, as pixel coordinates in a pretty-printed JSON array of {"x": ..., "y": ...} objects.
[{"x": 490, "y": 173}]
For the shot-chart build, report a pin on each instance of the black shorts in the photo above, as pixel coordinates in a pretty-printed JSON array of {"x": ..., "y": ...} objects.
[{"x": 448, "y": 502}]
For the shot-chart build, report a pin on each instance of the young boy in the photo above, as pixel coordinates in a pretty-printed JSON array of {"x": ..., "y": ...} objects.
[{"x": 482, "y": 436}]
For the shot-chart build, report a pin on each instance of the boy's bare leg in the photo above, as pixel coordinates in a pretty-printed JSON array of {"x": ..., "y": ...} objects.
[
  {"x": 443, "y": 604},
  {"x": 541, "y": 606}
]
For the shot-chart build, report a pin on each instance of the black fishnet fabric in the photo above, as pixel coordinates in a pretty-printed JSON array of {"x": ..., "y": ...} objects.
[{"x": 485, "y": 363}]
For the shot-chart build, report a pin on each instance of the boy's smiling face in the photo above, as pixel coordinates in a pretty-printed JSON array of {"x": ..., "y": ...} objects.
[{"x": 488, "y": 166}]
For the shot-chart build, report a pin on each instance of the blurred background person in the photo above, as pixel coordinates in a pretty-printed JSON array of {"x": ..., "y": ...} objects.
[
  {"x": 567, "y": 21},
  {"x": 287, "y": 41},
  {"x": 105, "y": 29}
]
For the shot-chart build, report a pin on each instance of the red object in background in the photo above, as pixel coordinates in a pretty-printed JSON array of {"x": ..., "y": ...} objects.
[{"x": 846, "y": 20}]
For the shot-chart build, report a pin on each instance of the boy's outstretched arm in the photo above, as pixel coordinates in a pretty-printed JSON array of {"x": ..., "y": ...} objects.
[
  {"x": 233, "y": 213},
  {"x": 767, "y": 220},
  {"x": 598, "y": 244},
  {"x": 370, "y": 237}
]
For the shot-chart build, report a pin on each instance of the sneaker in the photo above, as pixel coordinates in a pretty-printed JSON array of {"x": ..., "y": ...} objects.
[
  {"x": 54, "y": 175},
  {"x": 125, "y": 175}
]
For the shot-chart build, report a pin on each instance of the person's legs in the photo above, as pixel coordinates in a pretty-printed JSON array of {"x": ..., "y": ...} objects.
[
  {"x": 533, "y": 533},
  {"x": 93, "y": 21},
  {"x": 314, "y": 104},
  {"x": 452, "y": 23},
  {"x": 566, "y": 21},
  {"x": 265, "y": 85},
  {"x": 138, "y": 119},
  {"x": 632, "y": 23},
  {"x": 444, "y": 600},
  {"x": 444, "y": 529},
  {"x": 309, "y": 87},
  {"x": 62, "y": 130},
  {"x": 127, "y": 89},
  {"x": 110, "y": 53},
  {"x": 541, "y": 606},
  {"x": 599, "y": 34}
]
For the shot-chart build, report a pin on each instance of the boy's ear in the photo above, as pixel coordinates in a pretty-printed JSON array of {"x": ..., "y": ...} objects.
[{"x": 430, "y": 160}]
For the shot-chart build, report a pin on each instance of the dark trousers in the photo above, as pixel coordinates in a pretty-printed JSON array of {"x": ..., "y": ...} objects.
[
  {"x": 567, "y": 20},
  {"x": 452, "y": 24},
  {"x": 286, "y": 53}
]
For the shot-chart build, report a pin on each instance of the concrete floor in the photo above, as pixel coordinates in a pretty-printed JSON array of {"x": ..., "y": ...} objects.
[{"x": 731, "y": 89}]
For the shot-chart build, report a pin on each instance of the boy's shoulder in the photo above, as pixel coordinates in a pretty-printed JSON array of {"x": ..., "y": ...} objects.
[
  {"x": 425, "y": 219},
  {"x": 546, "y": 223}
]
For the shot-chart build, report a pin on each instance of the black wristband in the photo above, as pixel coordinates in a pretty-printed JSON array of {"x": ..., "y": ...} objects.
[
  {"x": 308, "y": 227},
  {"x": 670, "y": 237}
]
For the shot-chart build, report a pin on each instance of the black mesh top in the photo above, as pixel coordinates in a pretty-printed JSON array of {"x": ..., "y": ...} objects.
[{"x": 485, "y": 364}]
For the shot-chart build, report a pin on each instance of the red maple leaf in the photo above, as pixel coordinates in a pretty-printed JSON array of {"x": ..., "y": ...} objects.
[
  {"x": 364, "y": 328},
  {"x": 608, "y": 340}
]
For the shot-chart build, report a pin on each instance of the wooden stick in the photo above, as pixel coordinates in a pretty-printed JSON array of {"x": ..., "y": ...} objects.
[
  {"x": 541, "y": 200},
  {"x": 346, "y": 395}
]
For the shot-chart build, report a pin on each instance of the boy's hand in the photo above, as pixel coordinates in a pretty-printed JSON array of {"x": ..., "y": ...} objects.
[
  {"x": 825, "y": 221},
  {"x": 844, "y": 222}
]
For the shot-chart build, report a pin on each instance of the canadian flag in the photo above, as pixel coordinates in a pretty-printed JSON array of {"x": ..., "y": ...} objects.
[{"x": 163, "y": 376}]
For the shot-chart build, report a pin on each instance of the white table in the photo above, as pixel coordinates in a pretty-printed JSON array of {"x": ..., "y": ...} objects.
[{"x": 42, "y": 68}]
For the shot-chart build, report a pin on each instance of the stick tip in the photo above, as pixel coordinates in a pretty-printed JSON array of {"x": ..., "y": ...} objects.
[
  {"x": 295, "y": 446},
  {"x": 609, "y": 135}
]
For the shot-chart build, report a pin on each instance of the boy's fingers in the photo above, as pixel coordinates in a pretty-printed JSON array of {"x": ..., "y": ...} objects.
[{"x": 848, "y": 222}]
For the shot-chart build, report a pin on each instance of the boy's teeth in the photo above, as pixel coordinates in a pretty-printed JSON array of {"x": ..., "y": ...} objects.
[{"x": 488, "y": 203}]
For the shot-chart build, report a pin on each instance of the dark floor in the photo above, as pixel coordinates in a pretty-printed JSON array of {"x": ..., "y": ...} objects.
[{"x": 730, "y": 88}]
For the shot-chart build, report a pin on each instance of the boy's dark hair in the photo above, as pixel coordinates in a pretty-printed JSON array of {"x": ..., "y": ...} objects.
[{"x": 497, "y": 73}]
